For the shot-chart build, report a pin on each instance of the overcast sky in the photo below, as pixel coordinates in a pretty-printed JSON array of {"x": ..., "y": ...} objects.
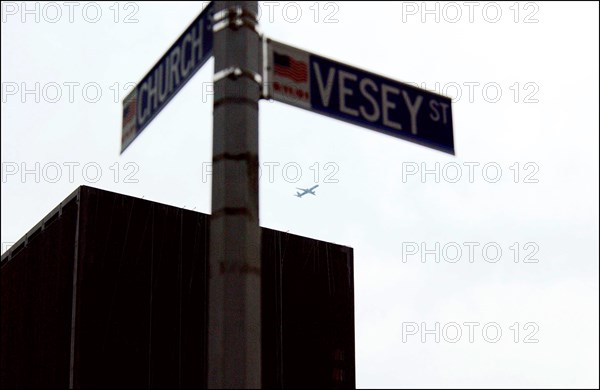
[{"x": 517, "y": 232}]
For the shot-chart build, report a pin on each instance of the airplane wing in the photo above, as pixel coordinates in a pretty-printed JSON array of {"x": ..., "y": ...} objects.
[{"x": 301, "y": 189}]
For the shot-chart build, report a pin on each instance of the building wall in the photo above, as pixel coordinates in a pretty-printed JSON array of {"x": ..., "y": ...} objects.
[
  {"x": 35, "y": 302},
  {"x": 137, "y": 271}
]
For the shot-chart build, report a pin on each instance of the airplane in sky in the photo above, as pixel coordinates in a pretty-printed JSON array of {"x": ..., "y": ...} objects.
[{"x": 305, "y": 191}]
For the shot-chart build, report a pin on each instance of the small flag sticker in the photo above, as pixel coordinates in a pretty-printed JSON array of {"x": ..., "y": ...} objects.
[{"x": 286, "y": 66}]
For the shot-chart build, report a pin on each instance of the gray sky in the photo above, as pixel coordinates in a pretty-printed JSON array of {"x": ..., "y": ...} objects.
[{"x": 525, "y": 81}]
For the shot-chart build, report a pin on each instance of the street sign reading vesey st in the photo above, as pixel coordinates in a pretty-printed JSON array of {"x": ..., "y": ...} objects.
[
  {"x": 359, "y": 97},
  {"x": 176, "y": 67}
]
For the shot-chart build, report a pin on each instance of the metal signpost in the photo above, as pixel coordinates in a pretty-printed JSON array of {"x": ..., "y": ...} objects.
[
  {"x": 234, "y": 316},
  {"x": 249, "y": 67}
]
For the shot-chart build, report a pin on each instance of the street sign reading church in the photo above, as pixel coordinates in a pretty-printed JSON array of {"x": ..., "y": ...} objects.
[
  {"x": 359, "y": 97},
  {"x": 176, "y": 67}
]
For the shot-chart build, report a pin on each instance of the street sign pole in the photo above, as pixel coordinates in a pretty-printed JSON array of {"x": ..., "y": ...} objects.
[
  {"x": 234, "y": 316},
  {"x": 228, "y": 30}
]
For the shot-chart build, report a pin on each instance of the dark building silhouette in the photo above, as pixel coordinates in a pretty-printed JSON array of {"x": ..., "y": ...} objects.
[{"x": 111, "y": 291}]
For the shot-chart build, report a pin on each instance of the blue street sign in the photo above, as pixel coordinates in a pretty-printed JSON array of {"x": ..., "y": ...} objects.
[
  {"x": 359, "y": 97},
  {"x": 176, "y": 67}
]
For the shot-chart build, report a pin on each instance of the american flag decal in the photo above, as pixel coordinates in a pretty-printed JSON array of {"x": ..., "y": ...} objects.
[
  {"x": 286, "y": 66},
  {"x": 129, "y": 111},
  {"x": 129, "y": 130}
]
